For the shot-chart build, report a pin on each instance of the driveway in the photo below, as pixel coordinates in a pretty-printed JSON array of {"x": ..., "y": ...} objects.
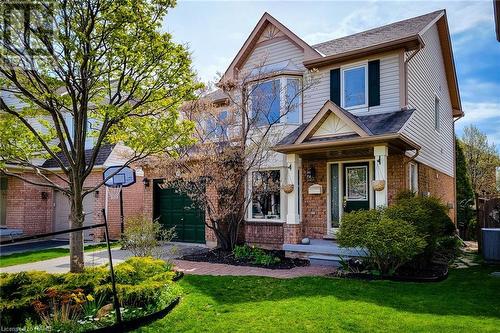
[
  {"x": 100, "y": 257},
  {"x": 32, "y": 246}
]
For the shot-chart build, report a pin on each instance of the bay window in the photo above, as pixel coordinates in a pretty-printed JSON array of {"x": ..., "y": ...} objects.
[
  {"x": 266, "y": 195},
  {"x": 276, "y": 101}
]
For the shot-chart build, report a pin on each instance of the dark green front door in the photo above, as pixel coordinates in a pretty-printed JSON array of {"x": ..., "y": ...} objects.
[
  {"x": 177, "y": 210},
  {"x": 356, "y": 186}
]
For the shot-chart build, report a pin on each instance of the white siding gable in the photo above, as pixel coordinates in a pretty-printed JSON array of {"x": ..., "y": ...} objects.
[
  {"x": 426, "y": 81},
  {"x": 333, "y": 125}
]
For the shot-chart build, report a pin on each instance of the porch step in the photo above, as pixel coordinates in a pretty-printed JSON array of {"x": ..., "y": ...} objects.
[
  {"x": 324, "y": 247},
  {"x": 324, "y": 260}
]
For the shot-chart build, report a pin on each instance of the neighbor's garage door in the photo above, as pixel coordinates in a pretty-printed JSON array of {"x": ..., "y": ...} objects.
[
  {"x": 63, "y": 211},
  {"x": 177, "y": 210}
]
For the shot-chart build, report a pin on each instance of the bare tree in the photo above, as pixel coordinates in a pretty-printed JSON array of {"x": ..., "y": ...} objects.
[{"x": 234, "y": 140}]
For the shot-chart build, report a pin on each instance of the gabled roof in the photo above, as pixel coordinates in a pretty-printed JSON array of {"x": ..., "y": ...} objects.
[
  {"x": 388, "y": 33},
  {"x": 252, "y": 40},
  {"x": 367, "y": 126}
]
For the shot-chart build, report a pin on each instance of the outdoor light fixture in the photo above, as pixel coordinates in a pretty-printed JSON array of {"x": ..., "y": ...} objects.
[
  {"x": 146, "y": 181},
  {"x": 45, "y": 195},
  {"x": 311, "y": 174}
]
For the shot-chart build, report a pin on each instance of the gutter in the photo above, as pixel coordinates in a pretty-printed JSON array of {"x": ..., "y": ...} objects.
[{"x": 408, "y": 43}]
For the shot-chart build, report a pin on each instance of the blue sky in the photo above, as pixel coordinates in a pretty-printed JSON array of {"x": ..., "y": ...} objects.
[{"x": 215, "y": 30}]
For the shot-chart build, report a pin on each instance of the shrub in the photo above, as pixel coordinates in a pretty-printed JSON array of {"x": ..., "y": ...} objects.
[
  {"x": 390, "y": 242},
  {"x": 145, "y": 238},
  {"x": 429, "y": 216},
  {"x": 254, "y": 255}
]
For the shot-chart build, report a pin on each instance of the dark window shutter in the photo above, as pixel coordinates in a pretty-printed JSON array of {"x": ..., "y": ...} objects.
[
  {"x": 374, "y": 83},
  {"x": 335, "y": 86}
]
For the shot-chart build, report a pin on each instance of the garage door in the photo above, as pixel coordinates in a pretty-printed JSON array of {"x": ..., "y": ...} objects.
[
  {"x": 63, "y": 211},
  {"x": 177, "y": 210}
]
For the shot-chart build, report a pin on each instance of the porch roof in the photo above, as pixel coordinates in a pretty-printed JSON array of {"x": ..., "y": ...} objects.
[{"x": 366, "y": 131}]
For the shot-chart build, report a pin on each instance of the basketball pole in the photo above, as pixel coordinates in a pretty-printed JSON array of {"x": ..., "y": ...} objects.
[{"x": 122, "y": 222}]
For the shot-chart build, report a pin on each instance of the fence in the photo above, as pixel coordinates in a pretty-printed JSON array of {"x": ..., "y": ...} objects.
[{"x": 488, "y": 214}]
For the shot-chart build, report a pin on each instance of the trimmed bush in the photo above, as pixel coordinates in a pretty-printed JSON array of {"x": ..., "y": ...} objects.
[
  {"x": 254, "y": 255},
  {"x": 390, "y": 243}
]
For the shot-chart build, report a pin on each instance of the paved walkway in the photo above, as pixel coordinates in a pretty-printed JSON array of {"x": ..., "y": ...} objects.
[
  {"x": 97, "y": 258},
  {"x": 205, "y": 268}
]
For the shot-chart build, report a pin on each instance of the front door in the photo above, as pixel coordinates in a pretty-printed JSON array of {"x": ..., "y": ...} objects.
[{"x": 356, "y": 186}]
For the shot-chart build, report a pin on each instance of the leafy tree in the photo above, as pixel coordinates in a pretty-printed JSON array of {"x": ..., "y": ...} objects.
[
  {"x": 465, "y": 195},
  {"x": 103, "y": 62},
  {"x": 481, "y": 159}
]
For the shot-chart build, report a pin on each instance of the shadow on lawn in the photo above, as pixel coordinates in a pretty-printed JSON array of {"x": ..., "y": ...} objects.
[{"x": 468, "y": 292}]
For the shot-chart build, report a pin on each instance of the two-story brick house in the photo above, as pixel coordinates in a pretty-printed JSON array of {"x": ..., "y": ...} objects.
[{"x": 378, "y": 120}]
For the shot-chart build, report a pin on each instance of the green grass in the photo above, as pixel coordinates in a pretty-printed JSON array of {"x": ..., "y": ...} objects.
[
  {"x": 34, "y": 256},
  {"x": 468, "y": 301}
]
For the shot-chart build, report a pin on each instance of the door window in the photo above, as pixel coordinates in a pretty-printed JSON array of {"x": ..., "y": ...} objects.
[{"x": 357, "y": 183}]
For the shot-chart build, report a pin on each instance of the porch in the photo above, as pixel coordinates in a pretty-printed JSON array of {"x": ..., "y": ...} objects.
[{"x": 322, "y": 252}]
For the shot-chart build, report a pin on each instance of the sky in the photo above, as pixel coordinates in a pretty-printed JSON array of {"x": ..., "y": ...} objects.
[{"x": 214, "y": 31}]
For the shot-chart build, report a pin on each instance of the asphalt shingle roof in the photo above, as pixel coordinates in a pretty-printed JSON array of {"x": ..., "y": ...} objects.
[
  {"x": 102, "y": 156},
  {"x": 387, "y": 33}
]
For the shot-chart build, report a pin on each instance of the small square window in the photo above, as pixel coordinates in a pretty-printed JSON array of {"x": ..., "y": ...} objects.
[
  {"x": 354, "y": 87},
  {"x": 436, "y": 113}
]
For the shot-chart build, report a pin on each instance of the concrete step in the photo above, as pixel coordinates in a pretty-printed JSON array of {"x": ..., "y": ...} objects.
[
  {"x": 325, "y": 260},
  {"x": 326, "y": 248}
]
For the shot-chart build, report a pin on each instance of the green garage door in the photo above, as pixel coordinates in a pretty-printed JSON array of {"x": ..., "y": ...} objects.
[{"x": 177, "y": 210}]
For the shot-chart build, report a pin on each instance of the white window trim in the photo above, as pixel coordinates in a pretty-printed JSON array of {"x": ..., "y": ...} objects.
[
  {"x": 282, "y": 197},
  {"x": 342, "y": 95},
  {"x": 437, "y": 113},
  {"x": 410, "y": 176},
  {"x": 366, "y": 184},
  {"x": 282, "y": 91}
]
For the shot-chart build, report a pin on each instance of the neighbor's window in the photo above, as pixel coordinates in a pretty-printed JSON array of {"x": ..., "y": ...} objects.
[
  {"x": 266, "y": 189},
  {"x": 354, "y": 86},
  {"x": 436, "y": 113},
  {"x": 276, "y": 101},
  {"x": 413, "y": 177}
]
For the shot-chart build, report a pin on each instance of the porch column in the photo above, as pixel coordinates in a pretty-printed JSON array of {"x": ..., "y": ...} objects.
[
  {"x": 293, "y": 165},
  {"x": 381, "y": 153}
]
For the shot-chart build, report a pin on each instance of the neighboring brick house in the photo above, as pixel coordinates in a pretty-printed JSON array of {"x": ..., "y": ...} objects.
[
  {"x": 379, "y": 120},
  {"x": 31, "y": 209}
]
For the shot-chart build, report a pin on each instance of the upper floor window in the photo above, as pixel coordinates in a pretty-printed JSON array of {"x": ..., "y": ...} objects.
[
  {"x": 354, "y": 86},
  {"x": 276, "y": 101},
  {"x": 436, "y": 113},
  {"x": 217, "y": 126}
]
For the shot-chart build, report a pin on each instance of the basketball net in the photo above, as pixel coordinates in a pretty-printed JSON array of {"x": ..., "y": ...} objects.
[{"x": 114, "y": 191}]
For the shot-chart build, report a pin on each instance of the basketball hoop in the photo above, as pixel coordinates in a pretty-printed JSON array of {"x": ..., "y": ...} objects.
[{"x": 114, "y": 191}]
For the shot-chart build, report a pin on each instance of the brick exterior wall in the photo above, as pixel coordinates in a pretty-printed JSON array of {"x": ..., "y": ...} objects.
[
  {"x": 267, "y": 235},
  {"x": 28, "y": 210},
  {"x": 314, "y": 206}
]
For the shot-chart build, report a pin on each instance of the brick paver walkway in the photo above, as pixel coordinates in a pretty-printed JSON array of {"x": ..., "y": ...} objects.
[{"x": 205, "y": 268}]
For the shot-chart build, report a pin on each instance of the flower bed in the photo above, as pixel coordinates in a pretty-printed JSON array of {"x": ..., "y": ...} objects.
[
  {"x": 248, "y": 256},
  {"x": 83, "y": 302}
]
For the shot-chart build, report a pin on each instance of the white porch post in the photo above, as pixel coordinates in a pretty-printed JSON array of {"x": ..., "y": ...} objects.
[
  {"x": 293, "y": 164},
  {"x": 381, "y": 153}
]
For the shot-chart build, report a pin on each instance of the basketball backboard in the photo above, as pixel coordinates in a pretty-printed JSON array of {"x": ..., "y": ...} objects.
[{"x": 120, "y": 176}]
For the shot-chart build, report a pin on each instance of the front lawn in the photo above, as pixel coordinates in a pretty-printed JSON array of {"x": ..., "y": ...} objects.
[
  {"x": 39, "y": 255},
  {"x": 468, "y": 301}
]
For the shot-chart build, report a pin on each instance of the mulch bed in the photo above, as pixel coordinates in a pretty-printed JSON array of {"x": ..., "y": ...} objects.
[
  {"x": 434, "y": 273},
  {"x": 218, "y": 256}
]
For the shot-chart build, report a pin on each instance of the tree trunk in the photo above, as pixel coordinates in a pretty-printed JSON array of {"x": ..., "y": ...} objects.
[{"x": 76, "y": 238}]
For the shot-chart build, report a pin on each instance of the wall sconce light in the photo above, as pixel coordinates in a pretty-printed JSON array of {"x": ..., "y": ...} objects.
[
  {"x": 96, "y": 194},
  {"x": 45, "y": 195},
  {"x": 311, "y": 175},
  {"x": 146, "y": 181}
]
